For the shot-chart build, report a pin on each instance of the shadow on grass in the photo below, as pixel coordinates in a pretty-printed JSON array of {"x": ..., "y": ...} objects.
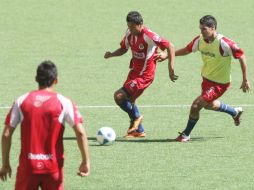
[{"x": 146, "y": 140}]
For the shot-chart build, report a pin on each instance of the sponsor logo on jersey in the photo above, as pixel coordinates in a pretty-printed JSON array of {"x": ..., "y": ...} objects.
[
  {"x": 138, "y": 55},
  {"x": 40, "y": 165},
  {"x": 32, "y": 156},
  {"x": 39, "y": 100},
  {"x": 141, "y": 46},
  {"x": 209, "y": 54}
]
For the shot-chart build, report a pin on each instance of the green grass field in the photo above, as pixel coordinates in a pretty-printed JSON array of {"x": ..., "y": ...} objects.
[{"x": 76, "y": 34}]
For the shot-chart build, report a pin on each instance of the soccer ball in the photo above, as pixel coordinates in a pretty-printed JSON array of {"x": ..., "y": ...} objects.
[{"x": 106, "y": 136}]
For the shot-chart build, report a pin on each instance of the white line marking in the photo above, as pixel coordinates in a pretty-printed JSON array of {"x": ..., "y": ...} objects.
[{"x": 141, "y": 106}]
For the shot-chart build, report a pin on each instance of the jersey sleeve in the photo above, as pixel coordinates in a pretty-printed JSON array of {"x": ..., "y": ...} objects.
[
  {"x": 72, "y": 115},
  {"x": 161, "y": 42},
  {"x": 158, "y": 40},
  {"x": 193, "y": 45},
  {"x": 13, "y": 117},
  {"x": 230, "y": 48},
  {"x": 124, "y": 44}
]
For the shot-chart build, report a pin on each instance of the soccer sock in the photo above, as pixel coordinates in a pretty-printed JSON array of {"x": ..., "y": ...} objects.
[
  {"x": 135, "y": 112},
  {"x": 127, "y": 106},
  {"x": 190, "y": 125},
  {"x": 227, "y": 109},
  {"x": 136, "y": 115},
  {"x": 130, "y": 108},
  {"x": 140, "y": 128}
]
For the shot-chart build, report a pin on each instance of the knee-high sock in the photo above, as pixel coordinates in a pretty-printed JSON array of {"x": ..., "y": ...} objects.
[
  {"x": 190, "y": 125},
  {"x": 130, "y": 108},
  {"x": 132, "y": 111},
  {"x": 136, "y": 111},
  {"x": 227, "y": 109}
]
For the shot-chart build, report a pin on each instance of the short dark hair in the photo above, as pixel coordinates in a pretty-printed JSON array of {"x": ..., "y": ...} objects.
[
  {"x": 46, "y": 73},
  {"x": 208, "y": 21},
  {"x": 135, "y": 17}
]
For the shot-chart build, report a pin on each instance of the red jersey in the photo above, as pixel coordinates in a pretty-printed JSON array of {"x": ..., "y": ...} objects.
[
  {"x": 143, "y": 47},
  {"x": 42, "y": 115}
]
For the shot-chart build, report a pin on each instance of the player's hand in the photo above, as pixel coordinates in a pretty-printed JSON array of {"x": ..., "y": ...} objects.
[
  {"x": 172, "y": 76},
  {"x": 161, "y": 56},
  {"x": 107, "y": 55},
  {"x": 4, "y": 172},
  {"x": 84, "y": 169},
  {"x": 245, "y": 86}
]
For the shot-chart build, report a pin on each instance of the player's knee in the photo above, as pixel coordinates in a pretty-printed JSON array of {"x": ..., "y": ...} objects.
[
  {"x": 195, "y": 108},
  {"x": 208, "y": 107},
  {"x": 118, "y": 97}
]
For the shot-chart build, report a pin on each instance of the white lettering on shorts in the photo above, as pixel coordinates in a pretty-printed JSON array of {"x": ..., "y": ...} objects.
[
  {"x": 133, "y": 84},
  {"x": 210, "y": 92}
]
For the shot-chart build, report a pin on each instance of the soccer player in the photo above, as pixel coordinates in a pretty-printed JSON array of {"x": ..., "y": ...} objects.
[
  {"x": 216, "y": 52},
  {"x": 42, "y": 114},
  {"x": 143, "y": 44}
]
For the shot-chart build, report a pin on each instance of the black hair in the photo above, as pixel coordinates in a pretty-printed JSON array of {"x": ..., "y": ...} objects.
[
  {"x": 208, "y": 21},
  {"x": 134, "y": 17},
  {"x": 46, "y": 73}
]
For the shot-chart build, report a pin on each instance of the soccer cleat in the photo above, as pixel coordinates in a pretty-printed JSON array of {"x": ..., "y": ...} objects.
[
  {"x": 135, "y": 134},
  {"x": 182, "y": 138},
  {"x": 134, "y": 124},
  {"x": 237, "y": 118}
]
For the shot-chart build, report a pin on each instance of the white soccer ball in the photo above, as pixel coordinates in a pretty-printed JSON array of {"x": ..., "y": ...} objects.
[{"x": 106, "y": 136}]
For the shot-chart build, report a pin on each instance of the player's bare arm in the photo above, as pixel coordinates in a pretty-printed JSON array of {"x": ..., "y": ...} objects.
[
  {"x": 171, "y": 60},
  {"x": 84, "y": 168},
  {"x": 161, "y": 56},
  {"x": 182, "y": 51},
  {"x": 245, "y": 86},
  {"x": 118, "y": 52},
  {"x": 6, "y": 146}
]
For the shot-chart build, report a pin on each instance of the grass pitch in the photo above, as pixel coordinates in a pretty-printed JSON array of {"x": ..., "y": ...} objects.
[{"x": 75, "y": 35}]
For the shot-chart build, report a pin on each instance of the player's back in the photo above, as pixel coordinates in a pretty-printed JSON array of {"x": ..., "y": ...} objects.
[{"x": 41, "y": 131}]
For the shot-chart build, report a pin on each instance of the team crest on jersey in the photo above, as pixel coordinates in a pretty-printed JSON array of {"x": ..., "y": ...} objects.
[
  {"x": 141, "y": 46},
  {"x": 39, "y": 100}
]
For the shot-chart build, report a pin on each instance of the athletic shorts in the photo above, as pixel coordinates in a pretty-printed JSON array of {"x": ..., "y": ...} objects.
[
  {"x": 212, "y": 90},
  {"x": 28, "y": 181},
  {"x": 136, "y": 84}
]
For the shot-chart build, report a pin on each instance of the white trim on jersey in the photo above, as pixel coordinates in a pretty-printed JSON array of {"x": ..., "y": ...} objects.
[
  {"x": 227, "y": 51},
  {"x": 127, "y": 45},
  {"x": 67, "y": 114},
  {"x": 16, "y": 115},
  {"x": 150, "y": 51},
  {"x": 195, "y": 45}
]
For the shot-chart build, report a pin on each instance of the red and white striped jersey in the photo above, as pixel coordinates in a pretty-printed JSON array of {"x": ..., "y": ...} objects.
[
  {"x": 227, "y": 47},
  {"x": 42, "y": 115},
  {"x": 143, "y": 47}
]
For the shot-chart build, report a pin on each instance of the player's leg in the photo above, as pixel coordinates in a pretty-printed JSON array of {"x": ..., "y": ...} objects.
[
  {"x": 54, "y": 181},
  {"x": 122, "y": 99},
  {"x": 196, "y": 106},
  {"x": 26, "y": 181},
  {"x": 222, "y": 107},
  {"x": 137, "y": 126}
]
